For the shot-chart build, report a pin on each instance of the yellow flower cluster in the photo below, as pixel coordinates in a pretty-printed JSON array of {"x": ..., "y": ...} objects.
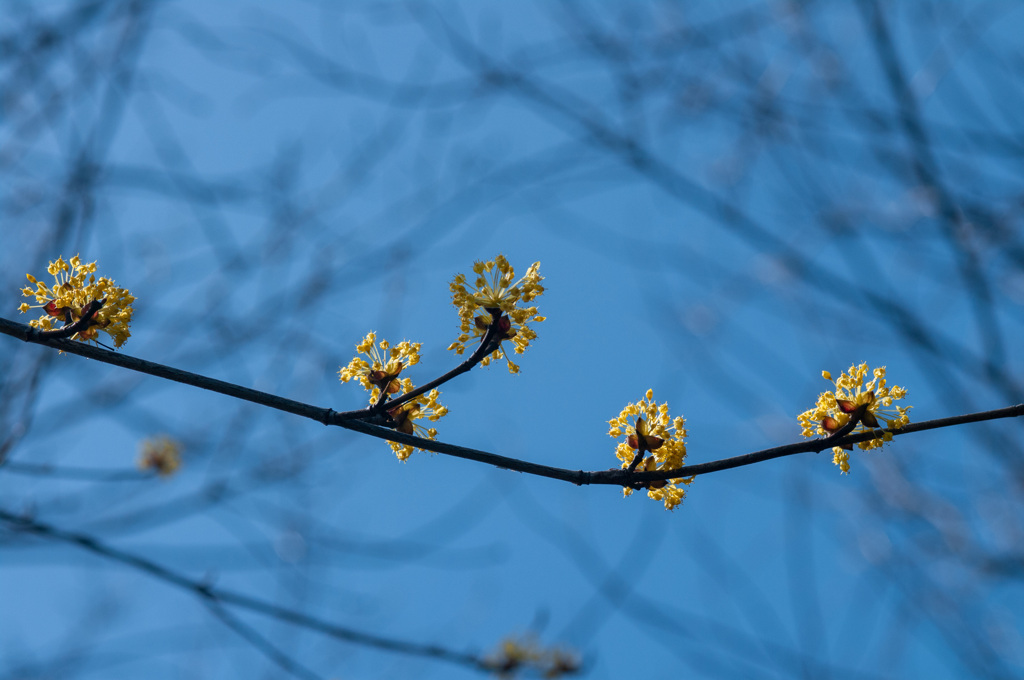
[
  {"x": 405, "y": 416},
  {"x": 382, "y": 373},
  {"x": 161, "y": 454},
  {"x": 384, "y": 366},
  {"x": 514, "y": 655},
  {"x": 497, "y": 292},
  {"x": 869, "y": 402},
  {"x": 71, "y": 294},
  {"x": 653, "y": 431}
]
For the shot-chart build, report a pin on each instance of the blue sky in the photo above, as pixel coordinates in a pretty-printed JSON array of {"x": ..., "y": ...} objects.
[{"x": 723, "y": 206}]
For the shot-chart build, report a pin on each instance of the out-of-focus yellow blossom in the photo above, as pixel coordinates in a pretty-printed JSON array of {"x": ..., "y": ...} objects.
[
  {"x": 497, "y": 292},
  {"x": 649, "y": 429},
  {"x": 516, "y": 654},
  {"x": 871, "y": 403},
  {"x": 161, "y": 454},
  {"x": 404, "y": 417},
  {"x": 72, "y": 293},
  {"x": 384, "y": 366}
]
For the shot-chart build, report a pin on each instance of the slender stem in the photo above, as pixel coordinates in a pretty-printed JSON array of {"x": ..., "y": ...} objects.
[
  {"x": 72, "y": 327},
  {"x": 82, "y": 474},
  {"x": 637, "y": 457},
  {"x": 818, "y": 445},
  {"x": 222, "y": 596},
  {"x": 364, "y": 423},
  {"x": 621, "y": 477},
  {"x": 260, "y": 643},
  {"x": 483, "y": 349},
  {"x": 842, "y": 431},
  {"x": 383, "y": 404},
  {"x": 29, "y": 334}
]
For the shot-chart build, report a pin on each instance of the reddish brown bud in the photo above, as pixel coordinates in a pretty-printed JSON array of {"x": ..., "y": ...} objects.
[
  {"x": 869, "y": 419},
  {"x": 402, "y": 421},
  {"x": 53, "y": 310},
  {"x": 505, "y": 328},
  {"x": 653, "y": 443},
  {"x": 642, "y": 441},
  {"x": 385, "y": 381}
]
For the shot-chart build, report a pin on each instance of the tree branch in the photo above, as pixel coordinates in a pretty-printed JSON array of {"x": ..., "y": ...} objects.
[
  {"x": 614, "y": 476},
  {"x": 216, "y": 597}
]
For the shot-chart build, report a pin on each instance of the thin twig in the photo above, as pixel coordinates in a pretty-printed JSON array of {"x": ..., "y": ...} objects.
[
  {"x": 615, "y": 476},
  {"x": 260, "y": 643},
  {"x": 29, "y": 334},
  {"x": 485, "y": 347},
  {"x": 221, "y": 596},
  {"x": 77, "y": 473},
  {"x": 375, "y": 412},
  {"x": 72, "y": 327}
]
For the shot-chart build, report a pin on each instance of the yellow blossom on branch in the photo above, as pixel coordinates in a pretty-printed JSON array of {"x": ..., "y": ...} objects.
[
  {"x": 385, "y": 364},
  {"x": 404, "y": 417},
  {"x": 161, "y": 454},
  {"x": 497, "y": 297},
  {"x": 649, "y": 429},
  {"x": 75, "y": 288},
  {"x": 380, "y": 373},
  {"x": 868, "y": 403}
]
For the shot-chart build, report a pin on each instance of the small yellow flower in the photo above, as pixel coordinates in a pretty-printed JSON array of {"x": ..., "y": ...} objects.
[
  {"x": 648, "y": 428},
  {"x": 497, "y": 293},
  {"x": 382, "y": 372},
  {"x": 871, "y": 403},
  {"x": 384, "y": 366},
  {"x": 71, "y": 294},
  {"x": 404, "y": 419},
  {"x": 161, "y": 454}
]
